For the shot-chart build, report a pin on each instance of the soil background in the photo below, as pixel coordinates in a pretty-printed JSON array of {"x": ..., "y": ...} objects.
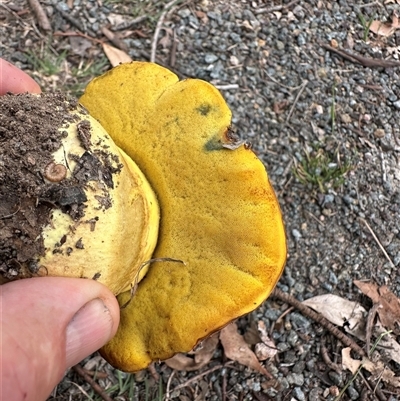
[{"x": 325, "y": 125}]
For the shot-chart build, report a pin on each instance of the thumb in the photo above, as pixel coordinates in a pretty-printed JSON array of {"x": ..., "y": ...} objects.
[
  {"x": 47, "y": 325},
  {"x": 12, "y": 79}
]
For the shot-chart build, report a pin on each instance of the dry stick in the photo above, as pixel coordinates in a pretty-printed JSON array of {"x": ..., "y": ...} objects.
[
  {"x": 40, "y": 15},
  {"x": 200, "y": 375},
  {"x": 378, "y": 242},
  {"x": 370, "y": 325},
  {"x": 327, "y": 359},
  {"x": 379, "y": 395},
  {"x": 277, "y": 293},
  {"x": 99, "y": 390},
  {"x": 158, "y": 29},
  {"x": 169, "y": 385},
  {"x": 276, "y": 8},
  {"x": 303, "y": 86},
  {"x": 83, "y": 35},
  {"x": 364, "y": 61}
]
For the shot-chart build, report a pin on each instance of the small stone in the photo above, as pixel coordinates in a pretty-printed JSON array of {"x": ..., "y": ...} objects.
[
  {"x": 345, "y": 118},
  {"x": 210, "y": 58},
  {"x": 296, "y": 379},
  {"x": 379, "y": 133},
  {"x": 299, "y": 367},
  {"x": 315, "y": 394},
  {"x": 292, "y": 338},
  {"x": 298, "y": 394},
  {"x": 397, "y": 104},
  {"x": 296, "y": 234},
  {"x": 353, "y": 393},
  {"x": 334, "y": 43},
  {"x": 280, "y": 46}
]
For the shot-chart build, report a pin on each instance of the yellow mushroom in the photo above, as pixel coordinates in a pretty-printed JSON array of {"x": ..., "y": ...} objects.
[{"x": 219, "y": 213}]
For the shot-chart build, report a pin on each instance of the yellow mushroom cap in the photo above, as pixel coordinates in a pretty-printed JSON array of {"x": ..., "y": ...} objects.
[{"x": 219, "y": 213}]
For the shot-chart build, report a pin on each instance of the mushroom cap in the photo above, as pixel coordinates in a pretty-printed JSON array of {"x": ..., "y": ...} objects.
[
  {"x": 219, "y": 213},
  {"x": 117, "y": 227},
  {"x": 116, "y": 239}
]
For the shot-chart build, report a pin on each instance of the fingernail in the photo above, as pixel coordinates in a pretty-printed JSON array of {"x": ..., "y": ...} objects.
[{"x": 88, "y": 331}]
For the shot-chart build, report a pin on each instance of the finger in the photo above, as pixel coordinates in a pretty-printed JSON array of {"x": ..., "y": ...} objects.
[
  {"x": 13, "y": 80},
  {"x": 47, "y": 325}
]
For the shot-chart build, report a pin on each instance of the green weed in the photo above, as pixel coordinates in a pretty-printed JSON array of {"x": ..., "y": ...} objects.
[
  {"x": 366, "y": 25},
  {"x": 321, "y": 170},
  {"x": 46, "y": 62}
]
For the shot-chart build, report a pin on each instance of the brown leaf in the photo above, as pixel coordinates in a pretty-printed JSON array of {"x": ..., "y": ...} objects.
[
  {"x": 385, "y": 29},
  {"x": 378, "y": 369},
  {"x": 266, "y": 349},
  {"x": 389, "y": 314},
  {"x": 115, "y": 55},
  {"x": 200, "y": 357},
  {"x": 237, "y": 350},
  {"x": 338, "y": 311}
]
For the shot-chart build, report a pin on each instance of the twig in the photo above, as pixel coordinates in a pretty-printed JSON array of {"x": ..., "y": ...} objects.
[
  {"x": 370, "y": 325},
  {"x": 227, "y": 87},
  {"x": 158, "y": 29},
  {"x": 316, "y": 218},
  {"x": 364, "y": 61},
  {"x": 169, "y": 385},
  {"x": 41, "y": 16},
  {"x": 129, "y": 24},
  {"x": 276, "y": 8},
  {"x": 151, "y": 368},
  {"x": 277, "y": 293},
  {"x": 83, "y": 35},
  {"x": 7, "y": 216},
  {"x": 291, "y": 88},
  {"x": 303, "y": 86},
  {"x": 327, "y": 359},
  {"x": 98, "y": 389},
  {"x": 378, "y": 242},
  {"x": 172, "y": 56},
  {"x": 200, "y": 375}
]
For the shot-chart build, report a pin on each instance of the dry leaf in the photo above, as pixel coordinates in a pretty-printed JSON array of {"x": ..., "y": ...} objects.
[
  {"x": 378, "y": 369},
  {"x": 200, "y": 357},
  {"x": 390, "y": 348},
  {"x": 80, "y": 45},
  {"x": 115, "y": 56},
  {"x": 202, "y": 16},
  {"x": 339, "y": 311},
  {"x": 385, "y": 29},
  {"x": 348, "y": 362},
  {"x": 237, "y": 350},
  {"x": 389, "y": 314},
  {"x": 165, "y": 41},
  {"x": 349, "y": 41},
  {"x": 265, "y": 349}
]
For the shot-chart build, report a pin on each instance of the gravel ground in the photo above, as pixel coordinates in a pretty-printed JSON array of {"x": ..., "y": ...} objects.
[{"x": 325, "y": 127}]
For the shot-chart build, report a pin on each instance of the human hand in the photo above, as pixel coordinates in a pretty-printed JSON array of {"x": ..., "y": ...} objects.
[
  {"x": 47, "y": 324},
  {"x": 13, "y": 80}
]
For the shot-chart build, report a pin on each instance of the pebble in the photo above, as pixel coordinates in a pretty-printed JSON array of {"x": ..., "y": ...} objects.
[
  {"x": 299, "y": 394},
  {"x": 296, "y": 379},
  {"x": 210, "y": 58}
]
